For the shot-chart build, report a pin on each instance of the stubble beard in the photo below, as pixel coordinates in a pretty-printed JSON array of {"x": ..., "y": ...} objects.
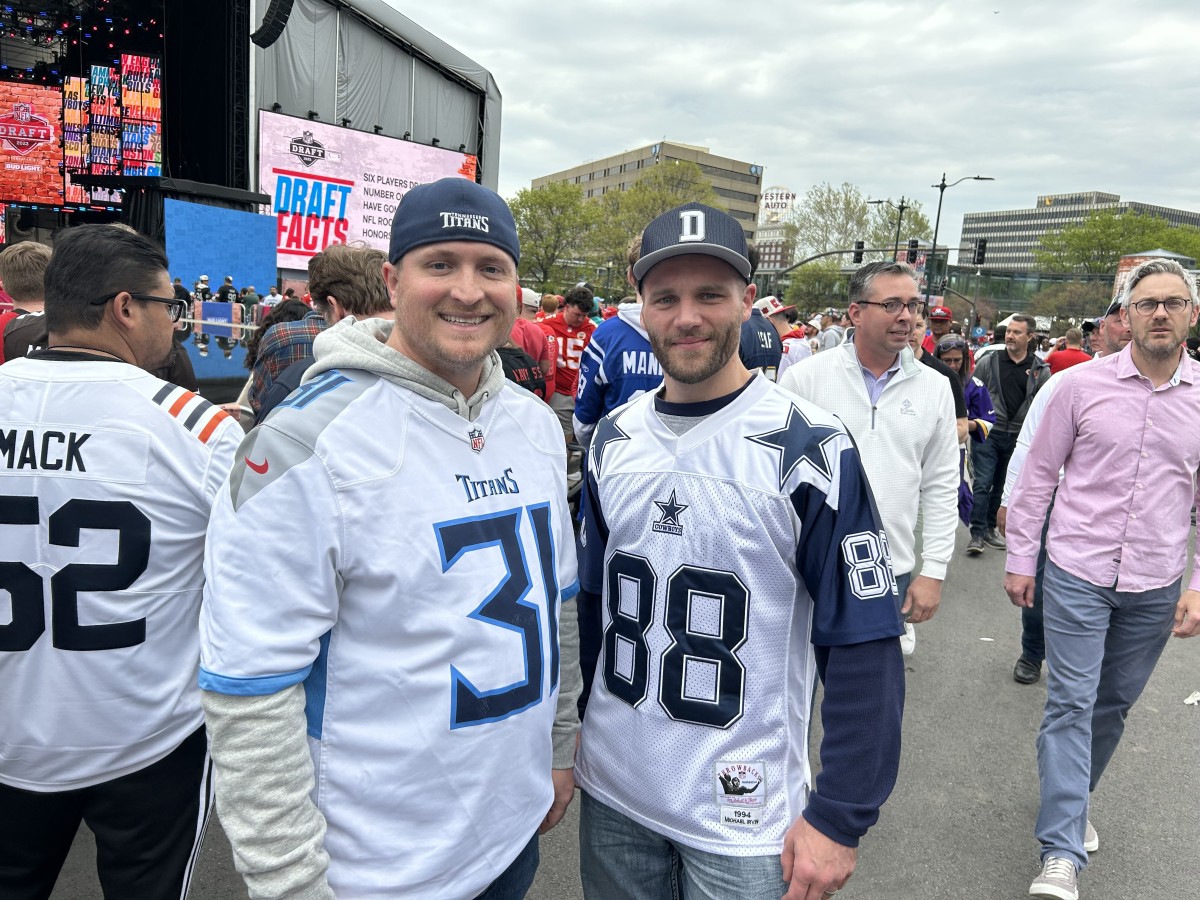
[{"x": 723, "y": 349}]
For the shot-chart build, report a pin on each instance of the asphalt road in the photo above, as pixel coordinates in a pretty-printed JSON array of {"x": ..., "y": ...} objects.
[{"x": 959, "y": 825}]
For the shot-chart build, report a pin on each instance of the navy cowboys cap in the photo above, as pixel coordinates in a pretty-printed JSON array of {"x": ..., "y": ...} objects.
[
  {"x": 452, "y": 209},
  {"x": 693, "y": 228}
]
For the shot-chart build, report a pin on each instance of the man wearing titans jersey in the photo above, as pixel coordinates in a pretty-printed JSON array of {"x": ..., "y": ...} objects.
[
  {"x": 382, "y": 697},
  {"x": 107, "y": 475},
  {"x": 732, "y": 554}
]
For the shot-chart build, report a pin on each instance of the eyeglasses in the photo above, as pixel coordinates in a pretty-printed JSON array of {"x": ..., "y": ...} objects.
[
  {"x": 1150, "y": 307},
  {"x": 177, "y": 307},
  {"x": 893, "y": 307}
]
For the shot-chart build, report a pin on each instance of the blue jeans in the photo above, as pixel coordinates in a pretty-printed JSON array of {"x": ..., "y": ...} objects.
[
  {"x": 620, "y": 859},
  {"x": 514, "y": 882},
  {"x": 1101, "y": 646},
  {"x": 991, "y": 466}
]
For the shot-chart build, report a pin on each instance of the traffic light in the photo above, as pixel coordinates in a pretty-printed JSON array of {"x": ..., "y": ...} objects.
[
  {"x": 912, "y": 251},
  {"x": 980, "y": 251},
  {"x": 859, "y": 246}
]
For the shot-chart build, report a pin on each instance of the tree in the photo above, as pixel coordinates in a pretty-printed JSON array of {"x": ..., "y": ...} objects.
[
  {"x": 553, "y": 224},
  {"x": 621, "y": 215},
  {"x": 1071, "y": 300},
  {"x": 830, "y": 218},
  {"x": 817, "y": 285},
  {"x": 882, "y": 230},
  {"x": 1096, "y": 245}
]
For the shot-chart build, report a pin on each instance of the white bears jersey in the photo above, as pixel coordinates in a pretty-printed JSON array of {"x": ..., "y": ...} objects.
[
  {"x": 409, "y": 574},
  {"x": 722, "y": 556},
  {"x": 107, "y": 476}
]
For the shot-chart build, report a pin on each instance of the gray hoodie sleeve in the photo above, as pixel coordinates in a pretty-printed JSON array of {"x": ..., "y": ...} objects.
[
  {"x": 264, "y": 782},
  {"x": 570, "y": 683}
]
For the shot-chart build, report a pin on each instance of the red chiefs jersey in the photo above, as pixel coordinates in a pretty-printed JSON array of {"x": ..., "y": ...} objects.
[{"x": 571, "y": 342}]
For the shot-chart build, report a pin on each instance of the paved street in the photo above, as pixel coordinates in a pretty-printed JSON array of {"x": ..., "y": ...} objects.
[{"x": 959, "y": 825}]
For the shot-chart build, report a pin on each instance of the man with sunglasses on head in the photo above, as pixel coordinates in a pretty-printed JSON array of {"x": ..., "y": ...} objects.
[
  {"x": 1111, "y": 592},
  {"x": 107, "y": 475},
  {"x": 901, "y": 415}
]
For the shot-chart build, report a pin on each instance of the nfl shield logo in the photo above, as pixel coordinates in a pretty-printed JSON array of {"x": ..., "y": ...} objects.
[{"x": 476, "y": 436}]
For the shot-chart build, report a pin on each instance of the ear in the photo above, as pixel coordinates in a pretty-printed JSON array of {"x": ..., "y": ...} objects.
[
  {"x": 335, "y": 307},
  {"x": 122, "y": 312},
  {"x": 391, "y": 276},
  {"x": 748, "y": 300}
]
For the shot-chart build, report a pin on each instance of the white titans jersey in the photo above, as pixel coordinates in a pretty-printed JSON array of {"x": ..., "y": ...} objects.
[
  {"x": 107, "y": 476},
  {"x": 722, "y": 556},
  {"x": 413, "y": 583}
]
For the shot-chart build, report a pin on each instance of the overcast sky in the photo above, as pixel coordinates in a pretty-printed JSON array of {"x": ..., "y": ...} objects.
[{"x": 1053, "y": 96}]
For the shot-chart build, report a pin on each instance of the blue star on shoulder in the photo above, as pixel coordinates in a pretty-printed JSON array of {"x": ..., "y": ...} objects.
[
  {"x": 607, "y": 432},
  {"x": 799, "y": 441}
]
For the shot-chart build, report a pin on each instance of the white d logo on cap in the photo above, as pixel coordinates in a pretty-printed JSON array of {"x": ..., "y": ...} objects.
[{"x": 691, "y": 225}]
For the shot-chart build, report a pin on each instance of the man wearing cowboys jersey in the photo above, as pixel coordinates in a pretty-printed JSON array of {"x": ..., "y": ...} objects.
[{"x": 732, "y": 554}]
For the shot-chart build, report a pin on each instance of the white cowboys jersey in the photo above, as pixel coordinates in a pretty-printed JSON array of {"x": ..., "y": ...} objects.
[
  {"x": 107, "y": 475},
  {"x": 415, "y": 593},
  {"x": 722, "y": 556}
]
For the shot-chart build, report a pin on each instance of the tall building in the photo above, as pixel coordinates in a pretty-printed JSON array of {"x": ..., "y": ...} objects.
[
  {"x": 1014, "y": 234},
  {"x": 776, "y": 241},
  {"x": 737, "y": 183}
]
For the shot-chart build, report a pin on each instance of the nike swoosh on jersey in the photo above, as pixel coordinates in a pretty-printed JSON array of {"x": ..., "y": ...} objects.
[{"x": 260, "y": 468}]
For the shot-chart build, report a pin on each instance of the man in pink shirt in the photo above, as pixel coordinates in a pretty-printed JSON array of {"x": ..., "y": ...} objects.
[{"x": 1116, "y": 559}]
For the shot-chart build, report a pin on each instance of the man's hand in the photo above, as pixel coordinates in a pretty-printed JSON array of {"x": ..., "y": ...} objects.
[
  {"x": 1019, "y": 589},
  {"x": 814, "y": 866},
  {"x": 564, "y": 791},
  {"x": 1187, "y": 615},
  {"x": 1002, "y": 520},
  {"x": 922, "y": 600}
]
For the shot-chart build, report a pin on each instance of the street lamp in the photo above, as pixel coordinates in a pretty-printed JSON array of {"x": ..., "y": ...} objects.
[
  {"x": 941, "y": 186},
  {"x": 900, "y": 218}
]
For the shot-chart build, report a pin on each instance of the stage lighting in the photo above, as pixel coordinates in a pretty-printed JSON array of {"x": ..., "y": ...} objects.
[
  {"x": 276, "y": 107},
  {"x": 345, "y": 122},
  {"x": 313, "y": 114}
]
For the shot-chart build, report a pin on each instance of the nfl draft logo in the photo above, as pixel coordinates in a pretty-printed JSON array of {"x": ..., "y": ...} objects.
[
  {"x": 307, "y": 149},
  {"x": 23, "y": 130},
  {"x": 476, "y": 436}
]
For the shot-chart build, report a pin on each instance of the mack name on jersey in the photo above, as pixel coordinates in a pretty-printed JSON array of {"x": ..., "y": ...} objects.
[{"x": 46, "y": 450}]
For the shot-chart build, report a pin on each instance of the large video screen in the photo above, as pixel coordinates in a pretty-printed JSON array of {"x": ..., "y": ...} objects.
[
  {"x": 335, "y": 185},
  {"x": 30, "y": 153}
]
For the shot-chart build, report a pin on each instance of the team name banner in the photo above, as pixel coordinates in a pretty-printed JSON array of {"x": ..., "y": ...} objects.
[{"x": 335, "y": 185}]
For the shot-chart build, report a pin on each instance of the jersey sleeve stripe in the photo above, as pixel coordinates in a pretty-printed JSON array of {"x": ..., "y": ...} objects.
[
  {"x": 570, "y": 590},
  {"x": 180, "y": 402},
  {"x": 164, "y": 393},
  {"x": 201, "y": 408},
  {"x": 256, "y": 686},
  {"x": 207, "y": 431}
]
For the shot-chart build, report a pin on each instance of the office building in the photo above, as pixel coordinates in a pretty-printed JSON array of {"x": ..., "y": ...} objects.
[
  {"x": 1014, "y": 234},
  {"x": 738, "y": 184}
]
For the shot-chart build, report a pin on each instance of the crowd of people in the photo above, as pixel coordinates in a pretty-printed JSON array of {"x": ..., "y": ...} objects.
[{"x": 406, "y": 697}]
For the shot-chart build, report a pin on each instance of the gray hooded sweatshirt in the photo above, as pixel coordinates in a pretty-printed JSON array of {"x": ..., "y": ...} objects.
[{"x": 263, "y": 767}]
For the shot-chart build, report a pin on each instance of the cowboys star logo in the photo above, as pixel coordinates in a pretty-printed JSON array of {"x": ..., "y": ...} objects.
[{"x": 671, "y": 509}]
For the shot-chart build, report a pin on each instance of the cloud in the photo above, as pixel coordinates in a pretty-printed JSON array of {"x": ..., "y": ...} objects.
[{"x": 1044, "y": 97}]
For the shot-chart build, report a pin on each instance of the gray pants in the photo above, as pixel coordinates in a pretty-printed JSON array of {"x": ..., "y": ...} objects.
[{"x": 1101, "y": 646}]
